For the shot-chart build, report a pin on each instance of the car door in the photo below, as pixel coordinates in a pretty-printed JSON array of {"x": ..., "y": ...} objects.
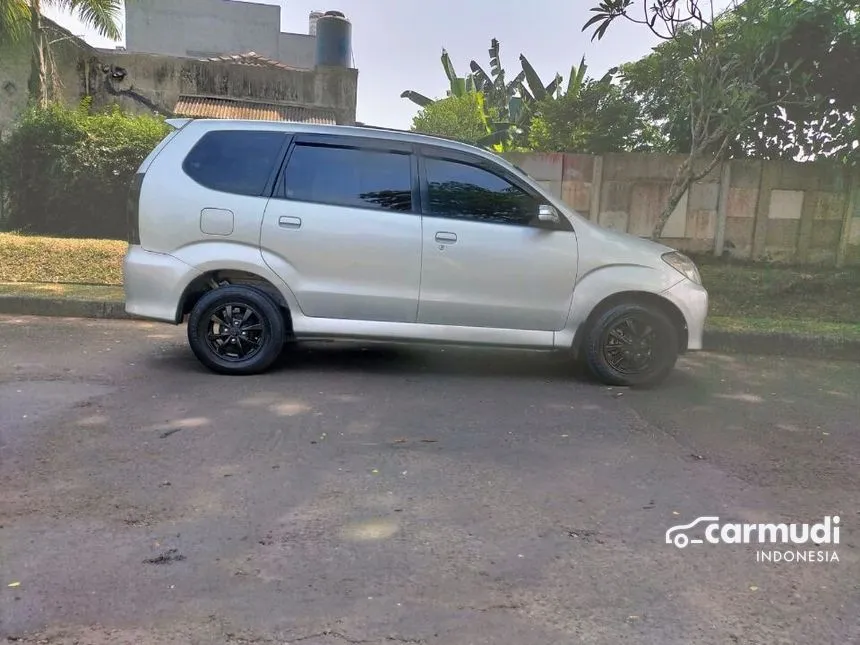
[
  {"x": 343, "y": 228},
  {"x": 488, "y": 261}
]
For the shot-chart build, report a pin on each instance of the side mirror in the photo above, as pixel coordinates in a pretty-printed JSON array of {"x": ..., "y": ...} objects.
[{"x": 548, "y": 215}]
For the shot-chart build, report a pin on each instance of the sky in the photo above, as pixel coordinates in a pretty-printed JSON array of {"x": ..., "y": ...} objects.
[{"x": 397, "y": 44}]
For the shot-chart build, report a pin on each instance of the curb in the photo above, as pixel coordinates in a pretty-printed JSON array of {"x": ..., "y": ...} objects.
[
  {"x": 782, "y": 344},
  {"x": 62, "y": 308},
  {"x": 776, "y": 344}
]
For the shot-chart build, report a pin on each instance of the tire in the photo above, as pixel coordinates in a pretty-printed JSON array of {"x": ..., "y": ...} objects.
[
  {"x": 620, "y": 354},
  {"x": 236, "y": 348}
]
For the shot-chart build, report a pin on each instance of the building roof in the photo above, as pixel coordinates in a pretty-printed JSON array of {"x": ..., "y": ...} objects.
[
  {"x": 208, "y": 107},
  {"x": 251, "y": 58}
]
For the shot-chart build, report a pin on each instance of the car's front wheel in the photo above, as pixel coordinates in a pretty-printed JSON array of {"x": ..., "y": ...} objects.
[
  {"x": 236, "y": 330},
  {"x": 632, "y": 345}
]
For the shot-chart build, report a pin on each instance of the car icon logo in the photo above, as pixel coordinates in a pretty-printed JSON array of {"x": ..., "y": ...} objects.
[{"x": 677, "y": 536}]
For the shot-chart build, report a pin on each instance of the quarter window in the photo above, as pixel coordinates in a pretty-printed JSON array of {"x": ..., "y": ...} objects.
[
  {"x": 354, "y": 177},
  {"x": 463, "y": 191},
  {"x": 235, "y": 161}
]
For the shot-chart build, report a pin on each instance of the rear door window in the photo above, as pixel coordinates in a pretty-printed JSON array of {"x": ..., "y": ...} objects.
[
  {"x": 350, "y": 176},
  {"x": 464, "y": 191},
  {"x": 235, "y": 161}
]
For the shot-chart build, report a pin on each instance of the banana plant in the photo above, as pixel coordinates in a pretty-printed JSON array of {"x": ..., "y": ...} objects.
[
  {"x": 500, "y": 106},
  {"x": 499, "y": 133},
  {"x": 577, "y": 78},
  {"x": 536, "y": 90},
  {"x": 458, "y": 85},
  {"x": 506, "y": 107},
  {"x": 501, "y": 95}
]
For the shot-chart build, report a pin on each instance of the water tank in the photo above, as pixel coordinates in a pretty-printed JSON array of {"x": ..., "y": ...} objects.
[
  {"x": 312, "y": 22},
  {"x": 334, "y": 40}
]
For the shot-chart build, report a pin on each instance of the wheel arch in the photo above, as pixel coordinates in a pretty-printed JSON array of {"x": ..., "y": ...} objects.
[
  {"x": 217, "y": 278},
  {"x": 634, "y": 297}
]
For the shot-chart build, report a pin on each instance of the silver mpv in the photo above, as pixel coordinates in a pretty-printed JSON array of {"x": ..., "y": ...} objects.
[{"x": 261, "y": 233}]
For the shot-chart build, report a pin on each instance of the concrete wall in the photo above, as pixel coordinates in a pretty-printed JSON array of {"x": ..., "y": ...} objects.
[
  {"x": 15, "y": 65},
  {"x": 773, "y": 210},
  {"x": 160, "y": 80},
  {"x": 154, "y": 83},
  {"x": 206, "y": 28},
  {"x": 14, "y": 75},
  {"x": 297, "y": 50}
]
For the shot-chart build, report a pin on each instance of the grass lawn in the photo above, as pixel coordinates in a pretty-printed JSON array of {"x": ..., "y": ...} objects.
[
  {"x": 25, "y": 258},
  {"x": 815, "y": 328},
  {"x": 748, "y": 297},
  {"x": 795, "y": 293}
]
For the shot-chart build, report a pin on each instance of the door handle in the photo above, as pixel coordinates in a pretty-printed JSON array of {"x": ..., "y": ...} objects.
[
  {"x": 444, "y": 237},
  {"x": 290, "y": 222}
]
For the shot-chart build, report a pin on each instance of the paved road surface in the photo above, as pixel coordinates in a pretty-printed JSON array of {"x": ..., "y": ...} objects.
[{"x": 367, "y": 494}]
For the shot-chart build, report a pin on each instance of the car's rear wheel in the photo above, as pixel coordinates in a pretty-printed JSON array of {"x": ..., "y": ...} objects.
[
  {"x": 631, "y": 344},
  {"x": 236, "y": 330}
]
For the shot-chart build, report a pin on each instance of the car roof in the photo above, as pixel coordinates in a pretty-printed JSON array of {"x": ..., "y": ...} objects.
[{"x": 376, "y": 132}]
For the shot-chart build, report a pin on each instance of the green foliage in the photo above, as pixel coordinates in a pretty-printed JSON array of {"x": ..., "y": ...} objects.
[
  {"x": 504, "y": 105},
  {"x": 583, "y": 115},
  {"x": 456, "y": 117},
  {"x": 503, "y": 96},
  {"x": 658, "y": 82},
  {"x": 823, "y": 49},
  {"x": 791, "y": 61},
  {"x": 597, "y": 117},
  {"x": 505, "y": 99},
  {"x": 537, "y": 91},
  {"x": 67, "y": 171},
  {"x": 590, "y": 116},
  {"x": 14, "y": 20},
  {"x": 459, "y": 86},
  {"x": 101, "y": 15}
]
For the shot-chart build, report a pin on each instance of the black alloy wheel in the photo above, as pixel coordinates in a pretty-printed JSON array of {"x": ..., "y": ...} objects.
[
  {"x": 236, "y": 330},
  {"x": 632, "y": 345}
]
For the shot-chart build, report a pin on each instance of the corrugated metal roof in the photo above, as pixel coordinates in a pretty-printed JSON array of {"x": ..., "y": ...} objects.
[{"x": 206, "y": 107}]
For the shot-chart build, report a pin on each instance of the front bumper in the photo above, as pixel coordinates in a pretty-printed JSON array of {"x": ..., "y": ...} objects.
[
  {"x": 154, "y": 284},
  {"x": 692, "y": 300}
]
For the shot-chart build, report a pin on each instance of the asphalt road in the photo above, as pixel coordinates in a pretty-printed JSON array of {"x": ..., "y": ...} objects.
[{"x": 374, "y": 494}]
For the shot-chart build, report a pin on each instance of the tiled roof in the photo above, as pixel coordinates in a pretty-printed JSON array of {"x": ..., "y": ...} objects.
[
  {"x": 251, "y": 58},
  {"x": 226, "y": 108}
]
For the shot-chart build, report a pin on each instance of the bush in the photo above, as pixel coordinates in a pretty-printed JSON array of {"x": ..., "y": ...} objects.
[
  {"x": 67, "y": 171},
  {"x": 455, "y": 117}
]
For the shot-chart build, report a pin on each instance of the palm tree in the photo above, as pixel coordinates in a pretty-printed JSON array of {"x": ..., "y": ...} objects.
[{"x": 20, "y": 19}]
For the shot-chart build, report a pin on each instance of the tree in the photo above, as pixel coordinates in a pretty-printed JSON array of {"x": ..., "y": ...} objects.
[
  {"x": 20, "y": 19},
  {"x": 503, "y": 98},
  {"x": 502, "y": 109},
  {"x": 720, "y": 63},
  {"x": 817, "y": 121},
  {"x": 590, "y": 116},
  {"x": 455, "y": 117},
  {"x": 506, "y": 103},
  {"x": 825, "y": 41}
]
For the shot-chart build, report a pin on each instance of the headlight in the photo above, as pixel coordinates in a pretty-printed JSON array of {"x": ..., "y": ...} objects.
[{"x": 683, "y": 265}]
